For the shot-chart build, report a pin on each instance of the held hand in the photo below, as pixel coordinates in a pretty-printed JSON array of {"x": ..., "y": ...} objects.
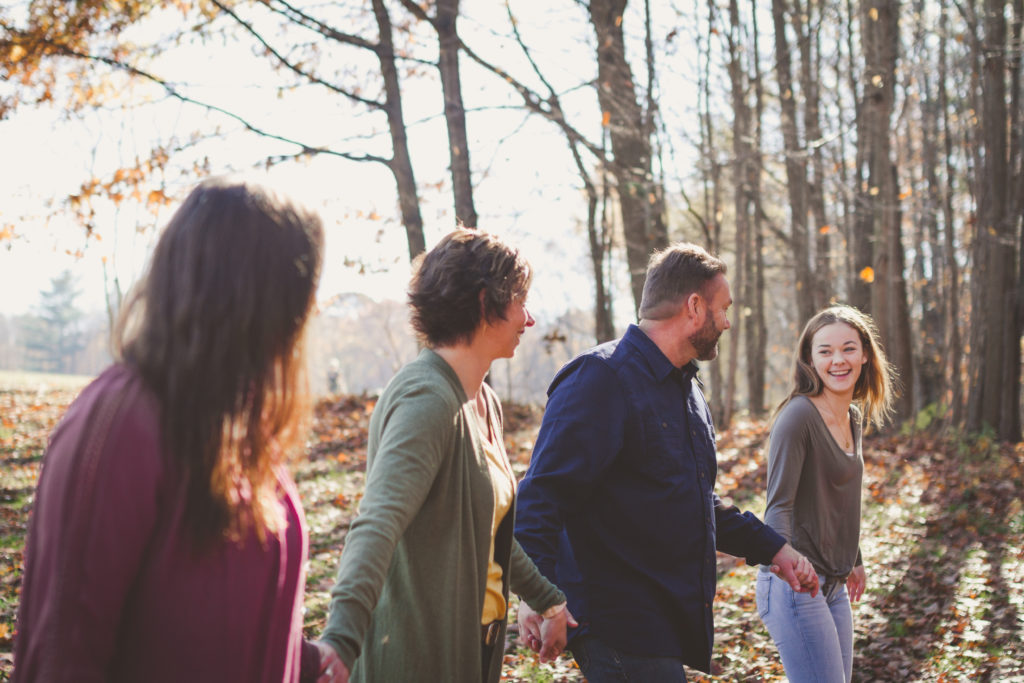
[
  {"x": 553, "y": 636},
  {"x": 796, "y": 570},
  {"x": 332, "y": 669},
  {"x": 530, "y": 626},
  {"x": 856, "y": 582}
]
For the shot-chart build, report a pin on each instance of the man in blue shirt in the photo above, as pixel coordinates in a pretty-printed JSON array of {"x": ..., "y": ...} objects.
[{"x": 618, "y": 506}]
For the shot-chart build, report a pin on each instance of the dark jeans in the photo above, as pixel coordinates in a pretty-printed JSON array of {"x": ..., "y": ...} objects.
[{"x": 603, "y": 664}]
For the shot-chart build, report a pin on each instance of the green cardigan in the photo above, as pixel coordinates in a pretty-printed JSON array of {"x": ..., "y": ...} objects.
[{"x": 410, "y": 587}]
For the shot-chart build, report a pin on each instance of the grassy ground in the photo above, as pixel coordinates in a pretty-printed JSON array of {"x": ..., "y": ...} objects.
[
  {"x": 40, "y": 382},
  {"x": 943, "y": 539}
]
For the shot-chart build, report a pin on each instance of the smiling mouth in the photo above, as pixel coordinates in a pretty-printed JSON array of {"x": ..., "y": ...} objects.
[{"x": 839, "y": 373}]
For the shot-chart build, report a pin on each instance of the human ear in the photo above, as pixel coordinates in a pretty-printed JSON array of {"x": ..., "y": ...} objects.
[{"x": 694, "y": 302}]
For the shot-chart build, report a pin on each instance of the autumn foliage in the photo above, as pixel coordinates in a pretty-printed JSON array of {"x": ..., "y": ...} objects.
[{"x": 943, "y": 540}]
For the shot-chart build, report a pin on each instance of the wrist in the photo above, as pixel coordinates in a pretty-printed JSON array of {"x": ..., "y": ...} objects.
[{"x": 554, "y": 611}]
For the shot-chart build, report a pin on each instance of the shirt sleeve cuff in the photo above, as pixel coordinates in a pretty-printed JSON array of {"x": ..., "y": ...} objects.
[{"x": 553, "y": 611}]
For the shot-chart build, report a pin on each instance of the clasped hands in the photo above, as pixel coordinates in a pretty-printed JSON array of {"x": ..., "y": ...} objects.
[
  {"x": 547, "y": 637},
  {"x": 796, "y": 570}
]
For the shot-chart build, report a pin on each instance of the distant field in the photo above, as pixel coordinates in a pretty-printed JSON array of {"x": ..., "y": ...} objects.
[{"x": 41, "y": 381}]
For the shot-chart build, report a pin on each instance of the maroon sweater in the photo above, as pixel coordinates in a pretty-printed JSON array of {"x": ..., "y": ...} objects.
[{"x": 112, "y": 590}]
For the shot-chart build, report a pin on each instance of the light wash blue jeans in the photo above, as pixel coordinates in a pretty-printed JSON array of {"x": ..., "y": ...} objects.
[{"x": 814, "y": 635}]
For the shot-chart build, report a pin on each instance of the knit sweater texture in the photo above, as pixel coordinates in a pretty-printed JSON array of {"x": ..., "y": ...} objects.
[{"x": 410, "y": 588}]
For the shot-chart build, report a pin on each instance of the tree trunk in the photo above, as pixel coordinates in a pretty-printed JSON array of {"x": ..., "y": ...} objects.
[
  {"x": 753, "y": 295},
  {"x": 598, "y": 238},
  {"x": 741, "y": 196},
  {"x": 994, "y": 397},
  {"x": 844, "y": 68},
  {"x": 806, "y": 26},
  {"x": 796, "y": 168},
  {"x": 455, "y": 111},
  {"x": 710, "y": 182},
  {"x": 641, "y": 200},
  {"x": 928, "y": 355},
  {"x": 401, "y": 161},
  {"x": 878, "y": 207},
  {"x": 952, "y": 309}
]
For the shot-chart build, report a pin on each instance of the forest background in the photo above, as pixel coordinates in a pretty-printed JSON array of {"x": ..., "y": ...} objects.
[
  {"x": 867, "y": 152},
  {"x": 864, "y": 152}
]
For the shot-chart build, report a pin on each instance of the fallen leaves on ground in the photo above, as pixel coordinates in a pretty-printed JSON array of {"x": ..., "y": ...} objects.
[{"x": 943, "y": 540}]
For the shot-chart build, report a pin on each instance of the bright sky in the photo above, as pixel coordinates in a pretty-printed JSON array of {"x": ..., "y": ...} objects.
[{"x": 527, "y": 189}]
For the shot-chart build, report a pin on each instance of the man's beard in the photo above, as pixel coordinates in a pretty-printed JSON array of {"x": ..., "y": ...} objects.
[{"x": 705, "y": 340}]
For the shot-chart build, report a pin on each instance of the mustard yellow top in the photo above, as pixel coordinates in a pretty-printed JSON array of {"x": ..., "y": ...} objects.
[{"x": 504, "y": 483}]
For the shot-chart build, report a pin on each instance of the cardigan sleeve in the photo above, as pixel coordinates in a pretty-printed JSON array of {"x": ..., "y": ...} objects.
[
  {"x": 526, "y": 581},
  {"x": 416, "y": 435}
]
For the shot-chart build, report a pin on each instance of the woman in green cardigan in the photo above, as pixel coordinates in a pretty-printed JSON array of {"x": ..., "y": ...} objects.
[{"x": 424, "y": 577}]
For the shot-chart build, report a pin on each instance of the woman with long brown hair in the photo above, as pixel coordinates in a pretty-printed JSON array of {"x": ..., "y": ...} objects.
[
  {"x": 841, "y": 381},
  {"x": 167, "y": 541}
]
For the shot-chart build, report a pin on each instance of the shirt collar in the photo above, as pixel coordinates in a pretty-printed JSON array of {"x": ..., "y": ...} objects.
[{"x": 661, "y": 367}]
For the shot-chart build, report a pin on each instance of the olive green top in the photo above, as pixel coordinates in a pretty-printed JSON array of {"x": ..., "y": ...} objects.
[
  {"x": 410, "y": 587},
  {"x": 814, "y": 487}
]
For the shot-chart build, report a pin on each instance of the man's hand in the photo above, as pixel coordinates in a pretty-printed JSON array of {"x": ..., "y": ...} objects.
[
  {"x": 856, "y": 582},
  {"x": 547, "y": 637},
  {"x": 332, "y": 669},
  {"x": 796, "y": 570}
]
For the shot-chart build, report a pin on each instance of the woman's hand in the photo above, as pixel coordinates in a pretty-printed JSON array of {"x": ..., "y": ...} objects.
[
  {"x": 332, "y": 669},
  {"x": 856, "y": 582},
  {"x": 547, "y": 637},
  {"x": 529, "y": 626},
  {"x": 796, "y": 570}
]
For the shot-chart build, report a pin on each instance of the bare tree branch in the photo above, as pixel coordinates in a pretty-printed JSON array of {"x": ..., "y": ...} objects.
[
  {"x": 292, "y": 67},
  {"x": 305, "y": 149}
]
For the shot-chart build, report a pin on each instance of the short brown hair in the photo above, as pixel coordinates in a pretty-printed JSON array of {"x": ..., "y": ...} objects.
[
  {"x": 673, "y": 274},
  {"x": 214, "y": 329},
  {"x": 444, "y": 294}
]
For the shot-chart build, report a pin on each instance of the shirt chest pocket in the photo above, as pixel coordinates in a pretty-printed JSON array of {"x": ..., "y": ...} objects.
[{"x": 663, "y": 446}]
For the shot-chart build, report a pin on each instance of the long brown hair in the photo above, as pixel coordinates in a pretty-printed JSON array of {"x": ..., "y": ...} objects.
[
  {"x": 876, "y": 388},
  {"x": 215, "y": 329}
]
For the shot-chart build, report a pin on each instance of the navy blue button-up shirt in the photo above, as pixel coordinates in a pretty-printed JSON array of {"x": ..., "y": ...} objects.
[{"x": 618, "y": 506}]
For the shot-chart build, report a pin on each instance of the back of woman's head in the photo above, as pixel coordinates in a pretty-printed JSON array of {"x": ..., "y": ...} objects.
[
  {"x": 444, "y": 294},
  {"x": 215, "y": 330},
  {"x": 876, "y": 386}
]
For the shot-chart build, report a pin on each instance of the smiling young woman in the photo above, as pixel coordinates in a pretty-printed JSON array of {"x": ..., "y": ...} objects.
[{"x": 841, "y": 380}]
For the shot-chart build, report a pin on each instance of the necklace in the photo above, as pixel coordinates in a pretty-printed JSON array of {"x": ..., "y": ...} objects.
[{"x": 838, "y": 428}]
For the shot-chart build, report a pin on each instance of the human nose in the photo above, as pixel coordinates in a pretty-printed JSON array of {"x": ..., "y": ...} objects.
[{"x": 530, "y": 322}]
